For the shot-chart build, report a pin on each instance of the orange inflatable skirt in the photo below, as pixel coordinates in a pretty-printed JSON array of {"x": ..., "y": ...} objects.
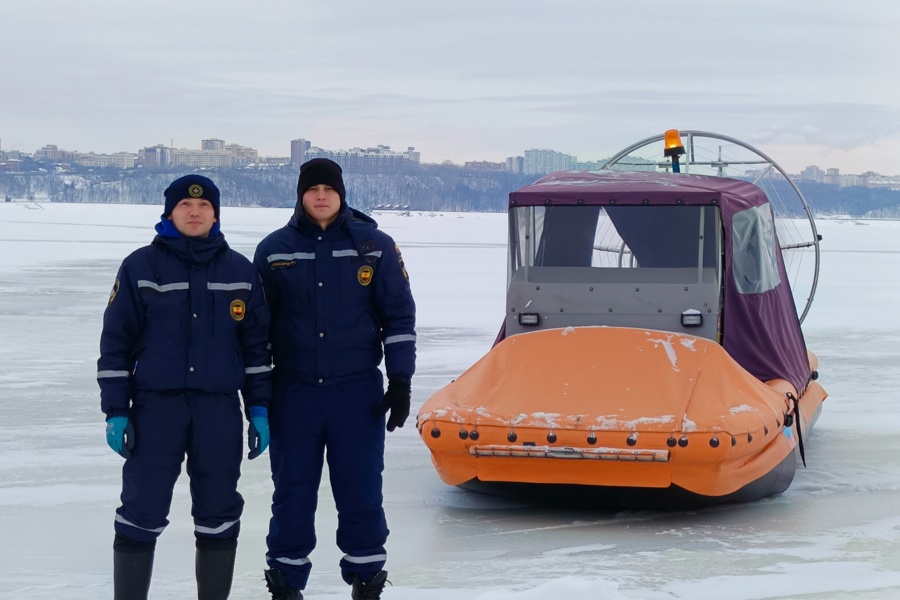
[{"x": 618, "y": 409}]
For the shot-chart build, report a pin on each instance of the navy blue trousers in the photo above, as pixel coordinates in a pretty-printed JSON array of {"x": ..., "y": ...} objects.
[
  {"x": 310, "y": 424},
  {"x": 208, "y": 428}
]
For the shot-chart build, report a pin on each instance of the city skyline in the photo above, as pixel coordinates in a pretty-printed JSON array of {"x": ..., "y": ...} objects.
[
  {"x": 809, "y": 82},
  {"x": 299, "y": 147}
]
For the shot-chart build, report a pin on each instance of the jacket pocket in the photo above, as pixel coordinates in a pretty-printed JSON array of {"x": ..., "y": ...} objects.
[{"x": 166, "y": 316}]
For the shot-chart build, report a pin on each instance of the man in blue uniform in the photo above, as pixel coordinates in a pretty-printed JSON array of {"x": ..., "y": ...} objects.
[
  {"x": 340, "y": 301},
  {"x": 186, "y": 327}
]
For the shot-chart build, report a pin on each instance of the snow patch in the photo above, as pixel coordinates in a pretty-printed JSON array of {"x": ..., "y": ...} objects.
[
  {"x": 549, "y": 418},
  {"x": 571, "y": 588},
  {"x": 687, "y": 425},
  {"x": 689, "y": 342},
  {"x": 518, "y": 419},
  {"x": 607, "y": 422},
  {"x": 669, "y": 350}
]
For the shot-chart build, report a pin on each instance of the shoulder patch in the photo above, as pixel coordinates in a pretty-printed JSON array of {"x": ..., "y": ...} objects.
[
  {"x": 400, "y": 260},
  {"x": 112, "y": 294}
]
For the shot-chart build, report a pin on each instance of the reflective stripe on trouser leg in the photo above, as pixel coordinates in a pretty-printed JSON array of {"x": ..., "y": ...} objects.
[
  {"x": 296, "y": 449},
  {"x": 161, "y": 422},
  {"x": 215, "y": 449},
  {"x": 355, "y": 441}
]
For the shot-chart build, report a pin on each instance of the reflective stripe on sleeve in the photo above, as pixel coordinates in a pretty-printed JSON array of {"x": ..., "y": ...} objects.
[
  {"x": 399, "y": 338},
  {"x": 255, "y": 370},
  {"x": 143, "y": 283},
  {"x": 110, "y": 374}
]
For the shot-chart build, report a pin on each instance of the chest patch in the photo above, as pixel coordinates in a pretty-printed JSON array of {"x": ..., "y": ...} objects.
[
  {"x": 238, "y": 309},
  {"x": 364, "y": 275},
  {"x": 282, "y": 264}
]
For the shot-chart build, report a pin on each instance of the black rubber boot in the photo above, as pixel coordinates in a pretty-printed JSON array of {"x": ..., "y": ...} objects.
[
  {"x": 278, "y": 587},
  {"x": 132, "y": 568},
  {"x": 371, "y": 590},
  {"x": 214, "y": 566}
]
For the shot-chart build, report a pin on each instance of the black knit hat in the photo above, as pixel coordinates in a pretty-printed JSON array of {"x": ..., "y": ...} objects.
[
  {"x": 321, "y": 171},
  {"x": 191, "y": 186}
]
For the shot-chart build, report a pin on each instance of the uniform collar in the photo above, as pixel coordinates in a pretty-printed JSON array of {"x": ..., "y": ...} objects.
[
  {"x": 193, "y": 250},
  {"x": 302, "y": 223}
]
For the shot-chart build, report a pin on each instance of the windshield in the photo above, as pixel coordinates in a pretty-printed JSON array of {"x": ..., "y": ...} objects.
[{"x": 615, "y": 237}]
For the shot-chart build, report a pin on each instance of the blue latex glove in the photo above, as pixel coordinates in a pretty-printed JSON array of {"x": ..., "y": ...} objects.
[
  {"x": 258, "y": 431},
  {"x": 120, "y": 435}
]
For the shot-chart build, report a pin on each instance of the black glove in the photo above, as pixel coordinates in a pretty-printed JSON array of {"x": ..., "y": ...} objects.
[{"x": 396, "y": 400}]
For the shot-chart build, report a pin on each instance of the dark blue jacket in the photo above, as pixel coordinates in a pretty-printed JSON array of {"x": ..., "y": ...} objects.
[
  {"x": 185, "y": 315},
  {"x": 339, "y": 298}
]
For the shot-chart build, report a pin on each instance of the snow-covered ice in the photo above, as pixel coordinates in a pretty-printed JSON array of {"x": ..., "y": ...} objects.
[{"x": 834, "y": 534}]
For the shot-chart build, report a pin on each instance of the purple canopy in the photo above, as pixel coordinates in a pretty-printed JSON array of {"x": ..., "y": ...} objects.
[{"x": 761, "y": 330}]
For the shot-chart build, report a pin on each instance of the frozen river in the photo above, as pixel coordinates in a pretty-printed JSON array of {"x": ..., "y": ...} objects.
[{"x": 834, "y": 534}]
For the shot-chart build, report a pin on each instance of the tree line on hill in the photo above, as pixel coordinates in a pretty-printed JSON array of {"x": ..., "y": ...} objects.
[
  {"x": 432, "y": 189},
  {"x": 429, "y": 188}
]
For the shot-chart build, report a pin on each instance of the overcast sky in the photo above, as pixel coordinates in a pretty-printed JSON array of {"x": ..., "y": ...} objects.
[{"x": 805, "y": 81}]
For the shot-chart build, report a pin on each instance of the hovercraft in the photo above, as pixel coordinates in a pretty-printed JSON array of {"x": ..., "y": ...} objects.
[{"x": 652, "y": 353}]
